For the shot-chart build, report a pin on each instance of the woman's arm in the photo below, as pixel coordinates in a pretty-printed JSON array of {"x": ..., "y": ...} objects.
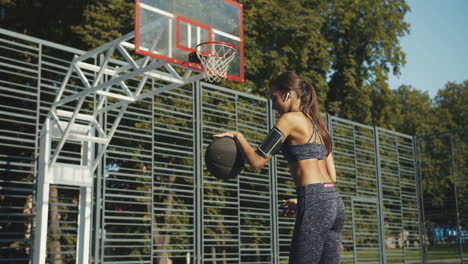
[
  {"x": 252, "y": 157},
  {"x": 250, "y": 154}
]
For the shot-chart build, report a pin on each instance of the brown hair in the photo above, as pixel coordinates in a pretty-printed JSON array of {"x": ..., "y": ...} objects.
[{"x": 288, "y": 81}]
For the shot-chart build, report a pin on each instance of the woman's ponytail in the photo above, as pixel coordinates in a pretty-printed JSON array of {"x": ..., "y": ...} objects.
[
  {"x": 310, "y": 107},
  {"x": 287, "y": 81}
]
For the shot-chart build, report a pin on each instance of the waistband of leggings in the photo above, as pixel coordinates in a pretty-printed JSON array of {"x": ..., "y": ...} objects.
[{"x": 323, "y": 187}]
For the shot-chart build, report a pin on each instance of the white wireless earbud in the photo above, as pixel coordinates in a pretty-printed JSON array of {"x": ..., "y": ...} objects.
[{"x": 287, "y": 97}]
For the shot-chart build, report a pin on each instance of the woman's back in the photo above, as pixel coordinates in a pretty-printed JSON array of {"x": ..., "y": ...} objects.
[{"x": 305, "y": 151}]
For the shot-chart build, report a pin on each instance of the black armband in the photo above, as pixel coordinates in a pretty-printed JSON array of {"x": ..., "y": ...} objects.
[{"x": 271, "y": 144}]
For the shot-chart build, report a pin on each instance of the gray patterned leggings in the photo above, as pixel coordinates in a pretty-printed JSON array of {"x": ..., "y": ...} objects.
[{"x": 319, "y": 224}]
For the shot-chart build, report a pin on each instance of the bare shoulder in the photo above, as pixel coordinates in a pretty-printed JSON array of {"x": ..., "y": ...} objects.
[
  {"x": 289, "y": 122},
  {"x": 291, "y": 118}
]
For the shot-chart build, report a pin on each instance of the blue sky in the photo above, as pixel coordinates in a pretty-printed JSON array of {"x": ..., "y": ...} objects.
[{"x": 437, "y": 46}]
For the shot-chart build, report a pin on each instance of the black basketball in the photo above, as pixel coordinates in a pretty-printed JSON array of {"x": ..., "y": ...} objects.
[{"x": 223, "y": 158}]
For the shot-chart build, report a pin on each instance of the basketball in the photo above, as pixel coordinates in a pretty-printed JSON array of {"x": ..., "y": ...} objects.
[{"x": 223, "y": 158}]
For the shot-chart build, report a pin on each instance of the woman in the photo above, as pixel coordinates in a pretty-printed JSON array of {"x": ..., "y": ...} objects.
[{"x": 305, "y": 142}]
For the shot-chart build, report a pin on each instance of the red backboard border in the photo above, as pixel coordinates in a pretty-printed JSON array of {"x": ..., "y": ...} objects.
[{"x": 192, "y": 65}]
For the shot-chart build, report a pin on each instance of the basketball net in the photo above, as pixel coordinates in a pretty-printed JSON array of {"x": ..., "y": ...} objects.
[{"x": 215, "y": 58}]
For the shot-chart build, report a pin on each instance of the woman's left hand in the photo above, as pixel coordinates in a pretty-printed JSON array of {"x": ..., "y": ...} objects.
[
  {"x": 289, "y": 207},
  {"x": 231, "y": 134}
]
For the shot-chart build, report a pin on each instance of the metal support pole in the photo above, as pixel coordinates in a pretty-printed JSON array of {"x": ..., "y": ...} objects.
[
  {"x": 397, "y": 150},
  {"x": 380, "y": 209},
  {"x": 353, "y": 227},
  {"x": 84, "y": 225},
  {"x": 239, "y": 233},
  {"x": 420, "y": 198},
  {"x": 83, "y": 248},
  {"x": 356, "y": 186},
  {"x": 36, "y": 144},
  {"x": 103, "y": 190},
  {"x": 198, "y": 171},
  {"x": 153, "y": 220},
  {"x": 455, "y": 193},
  {"x": 274, "y": 193},
  {"x": 97, "y": 227},
  {"x": 42, "y": 198}
]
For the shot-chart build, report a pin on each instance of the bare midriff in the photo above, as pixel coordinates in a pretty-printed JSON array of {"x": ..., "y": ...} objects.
[{"x": 310, "y": 171}]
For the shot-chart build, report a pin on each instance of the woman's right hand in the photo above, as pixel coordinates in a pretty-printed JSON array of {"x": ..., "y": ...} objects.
[
  {"x": 289, "y": 207},
  {"x": 231, "y": 134}
]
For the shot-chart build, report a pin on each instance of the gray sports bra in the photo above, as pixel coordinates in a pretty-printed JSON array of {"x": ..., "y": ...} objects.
[{"x": 309, "y": 150}]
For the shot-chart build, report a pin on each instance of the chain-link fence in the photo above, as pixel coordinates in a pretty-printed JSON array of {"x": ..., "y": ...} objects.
[{"x": 155, "y": 202}]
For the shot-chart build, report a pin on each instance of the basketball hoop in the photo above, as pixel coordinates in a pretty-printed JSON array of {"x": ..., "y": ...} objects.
[{"x": 215, "y": 58}]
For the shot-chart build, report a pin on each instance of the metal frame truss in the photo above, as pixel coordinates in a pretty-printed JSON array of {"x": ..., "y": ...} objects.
[{"x": 107, "y": 85}]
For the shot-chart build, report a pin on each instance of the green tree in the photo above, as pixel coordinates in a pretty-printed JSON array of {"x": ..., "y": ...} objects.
[
  {"x": 345, "y": 48},
  {"x": 50, "y": 20},
  {"x": 447, "y": 114},
  {"x": 280, "y": 37},
  {"x": 104, "y": 21},
  {"x": 385, "y": 109},
  {"x": 416, "y": 115},
  {"x": 451, "y": 105},
  {"x": 365, "y": 47}
]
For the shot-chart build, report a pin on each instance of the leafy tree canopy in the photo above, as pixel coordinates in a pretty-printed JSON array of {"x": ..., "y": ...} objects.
[
  {"x": 345, "y": 48},
  {"x": 451, "y": 105}
]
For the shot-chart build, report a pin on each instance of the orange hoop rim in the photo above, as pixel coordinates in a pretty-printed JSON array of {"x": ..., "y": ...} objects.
[{"x": 218, "y": 43}]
